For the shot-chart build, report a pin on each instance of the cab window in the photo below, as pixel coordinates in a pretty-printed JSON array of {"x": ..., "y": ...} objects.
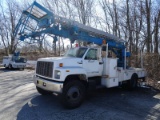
[{"x": 91, "y": 54}]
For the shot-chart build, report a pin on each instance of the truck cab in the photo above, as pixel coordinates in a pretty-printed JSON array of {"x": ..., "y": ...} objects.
[
  {"x": 89, "y": 59},
  {"x": 80, "y": 62}
]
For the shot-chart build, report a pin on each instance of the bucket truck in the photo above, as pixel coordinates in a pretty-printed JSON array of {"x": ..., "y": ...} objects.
[{"x": 80, "y": 68}]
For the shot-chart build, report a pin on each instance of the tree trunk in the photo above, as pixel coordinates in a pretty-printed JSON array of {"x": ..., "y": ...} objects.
[
  {"x": 148, "y": 17},
  {"x": 157, "y": 19}
]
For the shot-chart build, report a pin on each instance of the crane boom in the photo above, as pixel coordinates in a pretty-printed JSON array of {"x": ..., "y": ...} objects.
[{"x": 37, "y": 20}]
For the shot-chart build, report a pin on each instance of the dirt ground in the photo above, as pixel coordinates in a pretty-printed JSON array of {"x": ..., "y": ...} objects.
[{"x": 20, "y": 101}]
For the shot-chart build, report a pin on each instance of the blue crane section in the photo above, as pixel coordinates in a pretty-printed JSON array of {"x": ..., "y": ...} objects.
[{"x": 36, "y": 21}]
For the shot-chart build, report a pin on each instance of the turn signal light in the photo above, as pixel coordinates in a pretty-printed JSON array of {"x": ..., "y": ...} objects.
[{"x": 60, "y": 64}]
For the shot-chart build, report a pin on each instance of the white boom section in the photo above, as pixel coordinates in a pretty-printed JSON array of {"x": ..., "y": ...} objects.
[{"x": 89, "y": 29}]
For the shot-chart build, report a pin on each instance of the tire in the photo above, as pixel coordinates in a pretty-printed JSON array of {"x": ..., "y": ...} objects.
[
  {"x": 133, "y": 81},
  {"x": 10, "y": 66},
  {"x": 73, "y": 94},
  {"x": 43, "y": 92},
  {"x": 5, "y": 66}
]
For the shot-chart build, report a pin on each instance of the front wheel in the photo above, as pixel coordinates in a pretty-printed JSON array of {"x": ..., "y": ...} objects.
[
  {"x": 5, "y": 66},
  {"x": 43, "y": 92},
  {"x": 73, "y": 94}
]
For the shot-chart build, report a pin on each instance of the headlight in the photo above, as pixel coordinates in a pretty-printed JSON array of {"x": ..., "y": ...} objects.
[{"x": 57, "y": 74}]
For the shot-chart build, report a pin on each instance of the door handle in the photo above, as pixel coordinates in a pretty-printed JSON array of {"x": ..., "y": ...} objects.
[
  {"x": 91, "y": 61},
  {"x": 100, "y": 63},
  {"x": 79, "y": 62}
]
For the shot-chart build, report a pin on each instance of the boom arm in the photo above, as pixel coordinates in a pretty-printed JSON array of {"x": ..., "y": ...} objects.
[{"x": 37, "y": 21}]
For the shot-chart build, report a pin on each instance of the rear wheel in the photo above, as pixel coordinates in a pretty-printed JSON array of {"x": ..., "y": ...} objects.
[
  {"x": 10, "y": 66},
  {"x": 43, "y": 92},
  {"x": 133, "y": 81},
  {"x": 73, "y": 94}
]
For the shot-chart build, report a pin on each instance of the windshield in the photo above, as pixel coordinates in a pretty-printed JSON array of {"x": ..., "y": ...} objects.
[
  {"x": 19, "y": 59},
  {"x": 76, "y": 52}
]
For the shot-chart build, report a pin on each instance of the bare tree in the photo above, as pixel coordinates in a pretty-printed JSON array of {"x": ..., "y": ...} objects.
[
  {"x": 9, "y": 16},
  {"x": 84, "y": 10}
]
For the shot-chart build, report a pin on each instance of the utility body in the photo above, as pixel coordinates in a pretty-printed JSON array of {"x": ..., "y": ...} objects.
[{"x": 81, "y": 68}]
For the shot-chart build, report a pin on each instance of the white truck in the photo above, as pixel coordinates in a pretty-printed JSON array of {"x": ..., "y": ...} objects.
[
  {"x": 82, "y": 68},
  {"x": 14, "y": 62}
]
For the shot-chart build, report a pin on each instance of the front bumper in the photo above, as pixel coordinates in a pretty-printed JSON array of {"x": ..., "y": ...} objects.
[{"x": 48, "y": 85}]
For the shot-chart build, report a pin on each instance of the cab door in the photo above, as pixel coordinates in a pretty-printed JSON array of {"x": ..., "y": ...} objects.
[{"x": 91, "y": 63}]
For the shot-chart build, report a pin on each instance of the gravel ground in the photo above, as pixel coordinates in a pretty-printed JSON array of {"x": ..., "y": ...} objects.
[{"x": 19, "y": 100}]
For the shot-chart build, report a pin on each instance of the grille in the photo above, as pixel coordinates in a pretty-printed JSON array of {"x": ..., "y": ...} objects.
[{"x": 44, "y": 68}]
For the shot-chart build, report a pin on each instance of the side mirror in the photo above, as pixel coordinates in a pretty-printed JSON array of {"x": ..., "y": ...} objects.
[{"x": 86, "y": 58}]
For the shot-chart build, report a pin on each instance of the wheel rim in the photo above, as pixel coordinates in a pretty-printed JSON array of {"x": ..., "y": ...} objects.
[{"x": 73, "y": 94}]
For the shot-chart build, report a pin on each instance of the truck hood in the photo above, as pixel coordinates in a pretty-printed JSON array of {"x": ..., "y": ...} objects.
[{"x": 67, "y": 61}]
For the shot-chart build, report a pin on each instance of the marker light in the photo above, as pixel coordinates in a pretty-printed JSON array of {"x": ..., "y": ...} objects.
[
  {"x": 77, "y": 45},
  {"x": 60, "y": 64}
]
